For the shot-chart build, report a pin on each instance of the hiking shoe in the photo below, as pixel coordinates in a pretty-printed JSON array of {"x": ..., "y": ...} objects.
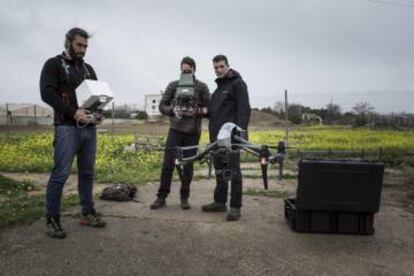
[
  {"x": 234, "y": 214},
  {"x": 184, "y": 204},
  {"x": 158, "y": 203},
  {"x": 92, "y": 219},
  {"x": 54, "y": 229},
  {"x": 214, "y": 207}
]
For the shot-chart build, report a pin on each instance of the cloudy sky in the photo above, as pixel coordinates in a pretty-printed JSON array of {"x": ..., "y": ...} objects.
[{"x": 344, "y": 51}]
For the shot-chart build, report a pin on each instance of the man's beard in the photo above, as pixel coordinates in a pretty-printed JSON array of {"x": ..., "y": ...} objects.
[{"x": 74, "y": 55}]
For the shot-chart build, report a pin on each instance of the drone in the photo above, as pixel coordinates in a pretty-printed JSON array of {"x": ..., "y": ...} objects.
[{"x": 232, "y": 139}]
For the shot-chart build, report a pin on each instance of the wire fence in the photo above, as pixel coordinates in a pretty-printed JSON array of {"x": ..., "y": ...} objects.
[{"x": 25, "y": 114}]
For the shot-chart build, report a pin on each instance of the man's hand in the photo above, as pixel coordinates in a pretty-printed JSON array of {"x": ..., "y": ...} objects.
[
  {"x": 81, "y": 116},
  {"x": 177, "y": 112},
  {"x": 203, "y": 111}
]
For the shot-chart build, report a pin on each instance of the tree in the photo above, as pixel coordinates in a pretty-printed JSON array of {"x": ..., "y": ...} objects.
[
  {"x": 363, "y": 110},
  {"x": 333, "y": 113},
  {"x": 279, "y": 109},
  {"x": 295, "y": 112},
  {"x": 141, "y": 115}
]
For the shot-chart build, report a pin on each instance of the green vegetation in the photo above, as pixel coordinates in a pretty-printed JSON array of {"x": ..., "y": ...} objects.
[
  {"x": 114, "y": 164},
  {"x": 17, "y": 206},
  {"x": 33, "y": 152}
]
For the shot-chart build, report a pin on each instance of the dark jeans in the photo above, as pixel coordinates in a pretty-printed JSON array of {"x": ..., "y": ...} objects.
[
  {"x": 221, "y": 190},
  {"x": 71, "y": 141},
  {"x": 174, "y": 139}
]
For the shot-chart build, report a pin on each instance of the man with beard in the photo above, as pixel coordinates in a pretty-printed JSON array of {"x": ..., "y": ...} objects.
[
  {"x": 60, "y": 76},
  {"x": 229, "y": 103}
]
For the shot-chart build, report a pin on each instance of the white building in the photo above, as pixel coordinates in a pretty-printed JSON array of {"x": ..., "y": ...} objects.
[{"x": 152, "y": 101}]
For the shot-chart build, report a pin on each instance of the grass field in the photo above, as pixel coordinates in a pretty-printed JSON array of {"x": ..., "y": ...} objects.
[
  {"x": 32, "y": 153},
  {"x": 17, "y": 205}
]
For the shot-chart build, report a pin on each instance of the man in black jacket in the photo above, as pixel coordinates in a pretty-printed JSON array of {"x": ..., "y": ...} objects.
[
  {"x": 185, "y": 130},
  {"x": 229, "y": 103},
  {"x": 60, "y": 76}
]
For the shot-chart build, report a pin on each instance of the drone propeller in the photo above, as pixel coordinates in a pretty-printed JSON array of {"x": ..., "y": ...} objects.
[{"x": 264, "y": 162}]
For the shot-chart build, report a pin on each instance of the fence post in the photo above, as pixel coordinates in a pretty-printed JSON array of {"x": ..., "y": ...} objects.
[
  {"x": 113, "y": 117},
  {"x": 7, "y": 113}
]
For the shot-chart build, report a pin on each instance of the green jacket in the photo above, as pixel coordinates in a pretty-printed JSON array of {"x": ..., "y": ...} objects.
[{"x": 190, "y": 125}]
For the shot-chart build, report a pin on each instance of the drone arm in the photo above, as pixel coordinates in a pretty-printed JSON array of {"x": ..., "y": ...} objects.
[
  {"x": 197, "y": 157},
  {"x": 249, "y": 150}
]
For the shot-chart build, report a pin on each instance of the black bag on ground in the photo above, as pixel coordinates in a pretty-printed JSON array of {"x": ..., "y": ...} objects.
[{"x": 119, "y": 192}]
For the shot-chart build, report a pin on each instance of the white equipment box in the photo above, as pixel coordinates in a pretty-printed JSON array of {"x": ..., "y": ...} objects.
[{"x": 92, "y": 94}]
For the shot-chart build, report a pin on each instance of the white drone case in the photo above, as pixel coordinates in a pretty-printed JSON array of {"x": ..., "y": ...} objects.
[{"x": 92, "y": 93}]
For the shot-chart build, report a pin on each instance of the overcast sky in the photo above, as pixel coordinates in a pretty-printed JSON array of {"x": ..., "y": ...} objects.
[{"x": 345, "y": 51}]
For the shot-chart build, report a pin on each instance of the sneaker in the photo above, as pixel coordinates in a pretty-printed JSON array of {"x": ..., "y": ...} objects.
[
  {"x": 234, "y": 214},
  {"x": 158, "y": 203},
  {"x": 184, "y": 204},
  {"x": 92, "y": 219},
  {"x": 214, "y": 207},
  {"x": 54, "y": 229}
]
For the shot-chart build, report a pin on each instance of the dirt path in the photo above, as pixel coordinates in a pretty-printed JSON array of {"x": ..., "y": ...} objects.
[{"x": 171, "y": 241}]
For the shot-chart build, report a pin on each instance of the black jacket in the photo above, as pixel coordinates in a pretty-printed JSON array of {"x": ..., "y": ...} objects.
[
  {"x": 189, "y": 125},
  {"x": 229, "y": 103},
  {"x": 58, "y": 80}
]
